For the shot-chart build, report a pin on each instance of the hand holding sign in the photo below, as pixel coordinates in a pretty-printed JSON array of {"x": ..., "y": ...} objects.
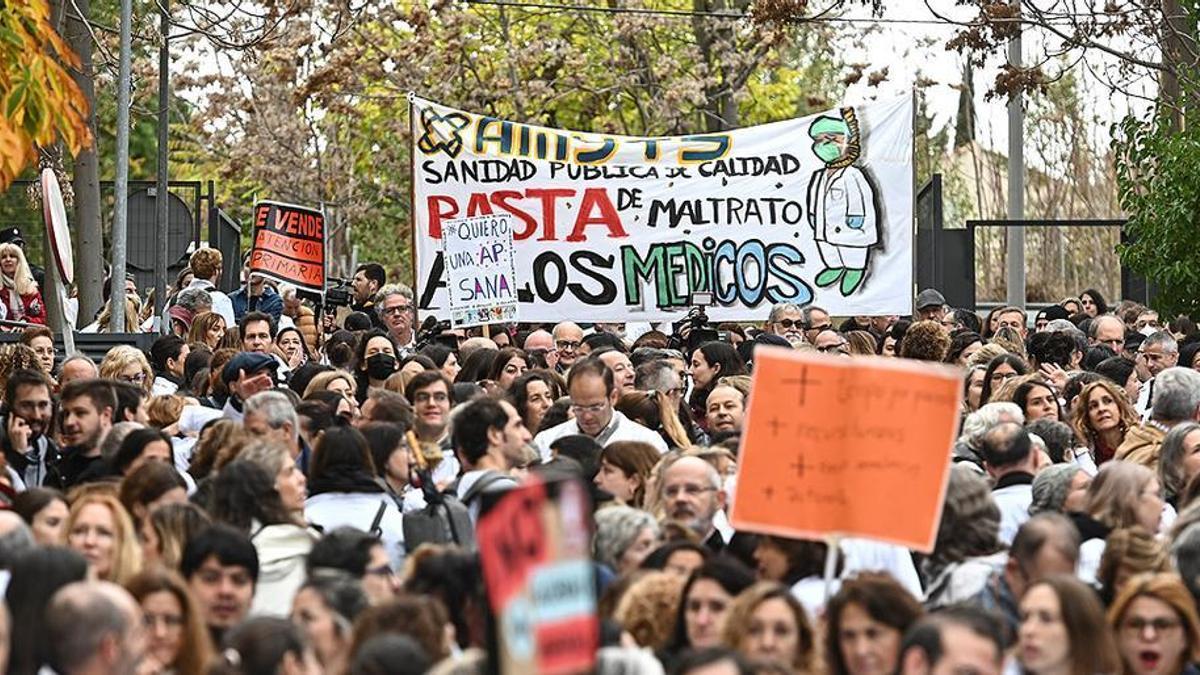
[{"x": 836, "y": 446}]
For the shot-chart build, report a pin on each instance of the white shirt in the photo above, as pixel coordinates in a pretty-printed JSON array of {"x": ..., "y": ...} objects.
[
  {"x": 1013, "y": 501},
  {"x": 621, "y": 428}
]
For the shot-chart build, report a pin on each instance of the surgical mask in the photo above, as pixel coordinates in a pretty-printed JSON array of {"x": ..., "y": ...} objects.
[
  {"x": 827, "y": 152},
  {"x": 379, "y": 366}
]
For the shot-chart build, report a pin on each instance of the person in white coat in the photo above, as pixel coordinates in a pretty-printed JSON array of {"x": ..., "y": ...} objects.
[
  {"x": 246, "y": 496},
  {"x": 344, "y": 491},
  {"x": 1009, "y": 458},
  {"x": 841, "y": 203}
]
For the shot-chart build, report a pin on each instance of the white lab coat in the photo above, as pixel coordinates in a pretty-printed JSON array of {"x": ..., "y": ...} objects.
[{"x": 835, "y": 195}]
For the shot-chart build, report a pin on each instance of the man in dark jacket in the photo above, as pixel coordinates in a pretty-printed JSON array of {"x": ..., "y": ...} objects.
[{"x": 30, "y": 451}]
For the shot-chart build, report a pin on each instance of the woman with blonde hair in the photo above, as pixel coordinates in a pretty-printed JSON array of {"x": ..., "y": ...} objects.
[
  {"x": 1158, "y": 632},
  {"x": 99, "y": 528},
  {"x": 655, "y": 411},
  {"x": 1100, "y": 417},
  {"x": 1122, "y": 495},
  {"x": 22, "y": 299},
  {"x": 176, "y": 635},
  {"x": 767, "y": 622},
  {"x": 647, "y": 610},
  {"x": 128, "y": 364},
  {"x": 133, "y": 309},
  {"x": 338, "y": 380},
  {"x": 207, "y": 328},
  {"x": 1128, "y": 552}
]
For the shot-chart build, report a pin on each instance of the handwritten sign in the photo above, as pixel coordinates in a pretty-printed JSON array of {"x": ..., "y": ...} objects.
[
  {"x": 289, "y": 245},
  {"x": 846, "y": 446},
  {"x": 534, "y": 548},
  {"x": 815, "y": 209},
  {"x": 480, "y": 273}
]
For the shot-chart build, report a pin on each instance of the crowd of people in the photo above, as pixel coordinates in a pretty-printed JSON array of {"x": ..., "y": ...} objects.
[{"x": 273, "y": 488}]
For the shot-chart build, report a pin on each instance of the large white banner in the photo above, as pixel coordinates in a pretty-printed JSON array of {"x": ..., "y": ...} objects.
[{"x": 613, "y": 228}]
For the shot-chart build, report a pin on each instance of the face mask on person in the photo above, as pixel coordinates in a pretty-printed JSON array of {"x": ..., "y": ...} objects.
[
  {"x": 379, "y": 366},
  {"x": 827, "y": 151}
]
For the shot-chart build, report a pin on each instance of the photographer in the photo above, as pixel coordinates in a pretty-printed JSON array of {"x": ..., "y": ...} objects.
[{"x": 368, "y": 279}]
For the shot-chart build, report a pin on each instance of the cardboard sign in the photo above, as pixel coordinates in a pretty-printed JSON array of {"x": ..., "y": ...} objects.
[
  {"x": 846, "y": 446},
  {"x": 816, "y": 209},
  {"x": 534, "y": 545},
  {"x": 480, "y": 273},
  {"x": 289, "y": 245}
]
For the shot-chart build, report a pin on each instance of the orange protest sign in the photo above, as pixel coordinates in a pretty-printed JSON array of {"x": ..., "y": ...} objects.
[
  {"x": 289, "y": 245},
  {"x": 847, "y": 447}
]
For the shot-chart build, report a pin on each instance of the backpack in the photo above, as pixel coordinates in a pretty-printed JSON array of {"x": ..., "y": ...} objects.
[{"x": 445, "y": 518}]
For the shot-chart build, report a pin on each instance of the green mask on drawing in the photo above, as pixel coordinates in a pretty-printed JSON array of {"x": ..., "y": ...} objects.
[{"x": 826, "y": 151}]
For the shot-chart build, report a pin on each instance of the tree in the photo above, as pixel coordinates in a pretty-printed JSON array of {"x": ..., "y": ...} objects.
[
  {"x": 39, "y": 102},
  {"x": 1156, "y": 176},
  {"x": 318, "y": 115}
]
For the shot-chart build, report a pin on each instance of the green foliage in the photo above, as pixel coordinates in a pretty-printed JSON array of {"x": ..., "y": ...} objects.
[{"x": 1157, "y": 172}]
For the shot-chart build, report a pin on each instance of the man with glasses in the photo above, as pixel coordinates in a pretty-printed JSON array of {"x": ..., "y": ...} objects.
[
  {"x": 831, "y": 342},
  {"x": 593, "y": 392},
  {"x": 816, "y": 320},
  {"x": 787, "y": 321},
  {"x": 567, "y": 339},
  {"x": 432, "y": 396},
  {"x": 394, "y": 303},
  {"x": 1157, "y": 352},
  {"x": 692, "y": 495}
]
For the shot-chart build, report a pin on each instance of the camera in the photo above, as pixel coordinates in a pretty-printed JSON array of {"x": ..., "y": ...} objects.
[
  {"x": 430, "y": 333},
  {"x": 694, "y": 329},
  {"x": 338, "y": 293}
]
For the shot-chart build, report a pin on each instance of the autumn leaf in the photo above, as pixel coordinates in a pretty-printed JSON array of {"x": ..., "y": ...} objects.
[{"x": 41, "y": 102}]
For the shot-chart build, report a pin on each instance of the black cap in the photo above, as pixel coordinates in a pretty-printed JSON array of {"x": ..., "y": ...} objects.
[
  {"x": 930, "y": 298},
  {"x": 12, "y": 235},
  {"x": 1053, "y": 312},
  {"x": 251, "y": 362}
]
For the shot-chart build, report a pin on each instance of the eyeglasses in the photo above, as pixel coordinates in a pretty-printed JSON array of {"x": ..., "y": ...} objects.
[
  {"x": 398, "y": 309},
  {"x": 426, "y": 397},
  {"x": 1137, "y": 625},
  {"x": 133, "y": 379},
  {"x": 840, "y": 348},
  {"x": 788, "y": 323},
  {"x": 593, "y": 409},
  {"x": 673, "y": 491},
  {"x": 824, "y": 326},
  {"x": 567, "y": 345}
]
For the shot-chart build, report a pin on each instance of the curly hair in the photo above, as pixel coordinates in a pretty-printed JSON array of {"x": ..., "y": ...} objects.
[
  {"x": 647, "y": 610},
  {"x": 222, "y": 437},
  {"x": 421, "y": 617},
  {"x": 738, "y": 620},
  {"x": 121, "y": 357},
  {"x": 926, "y": 341},
  {"x": 1079, "y": 412},
  {"x": 1132, "y": 550}
]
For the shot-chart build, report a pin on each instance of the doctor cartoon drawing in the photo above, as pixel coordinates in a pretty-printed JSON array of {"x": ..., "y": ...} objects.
[{"x": 841, "y": 203}]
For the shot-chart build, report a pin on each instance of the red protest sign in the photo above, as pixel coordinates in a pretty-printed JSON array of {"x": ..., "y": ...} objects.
[
  {"x": 289, "y": 244},
  {"x": 846, "y": 446},
  {"x": 534, "y": 548}
]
